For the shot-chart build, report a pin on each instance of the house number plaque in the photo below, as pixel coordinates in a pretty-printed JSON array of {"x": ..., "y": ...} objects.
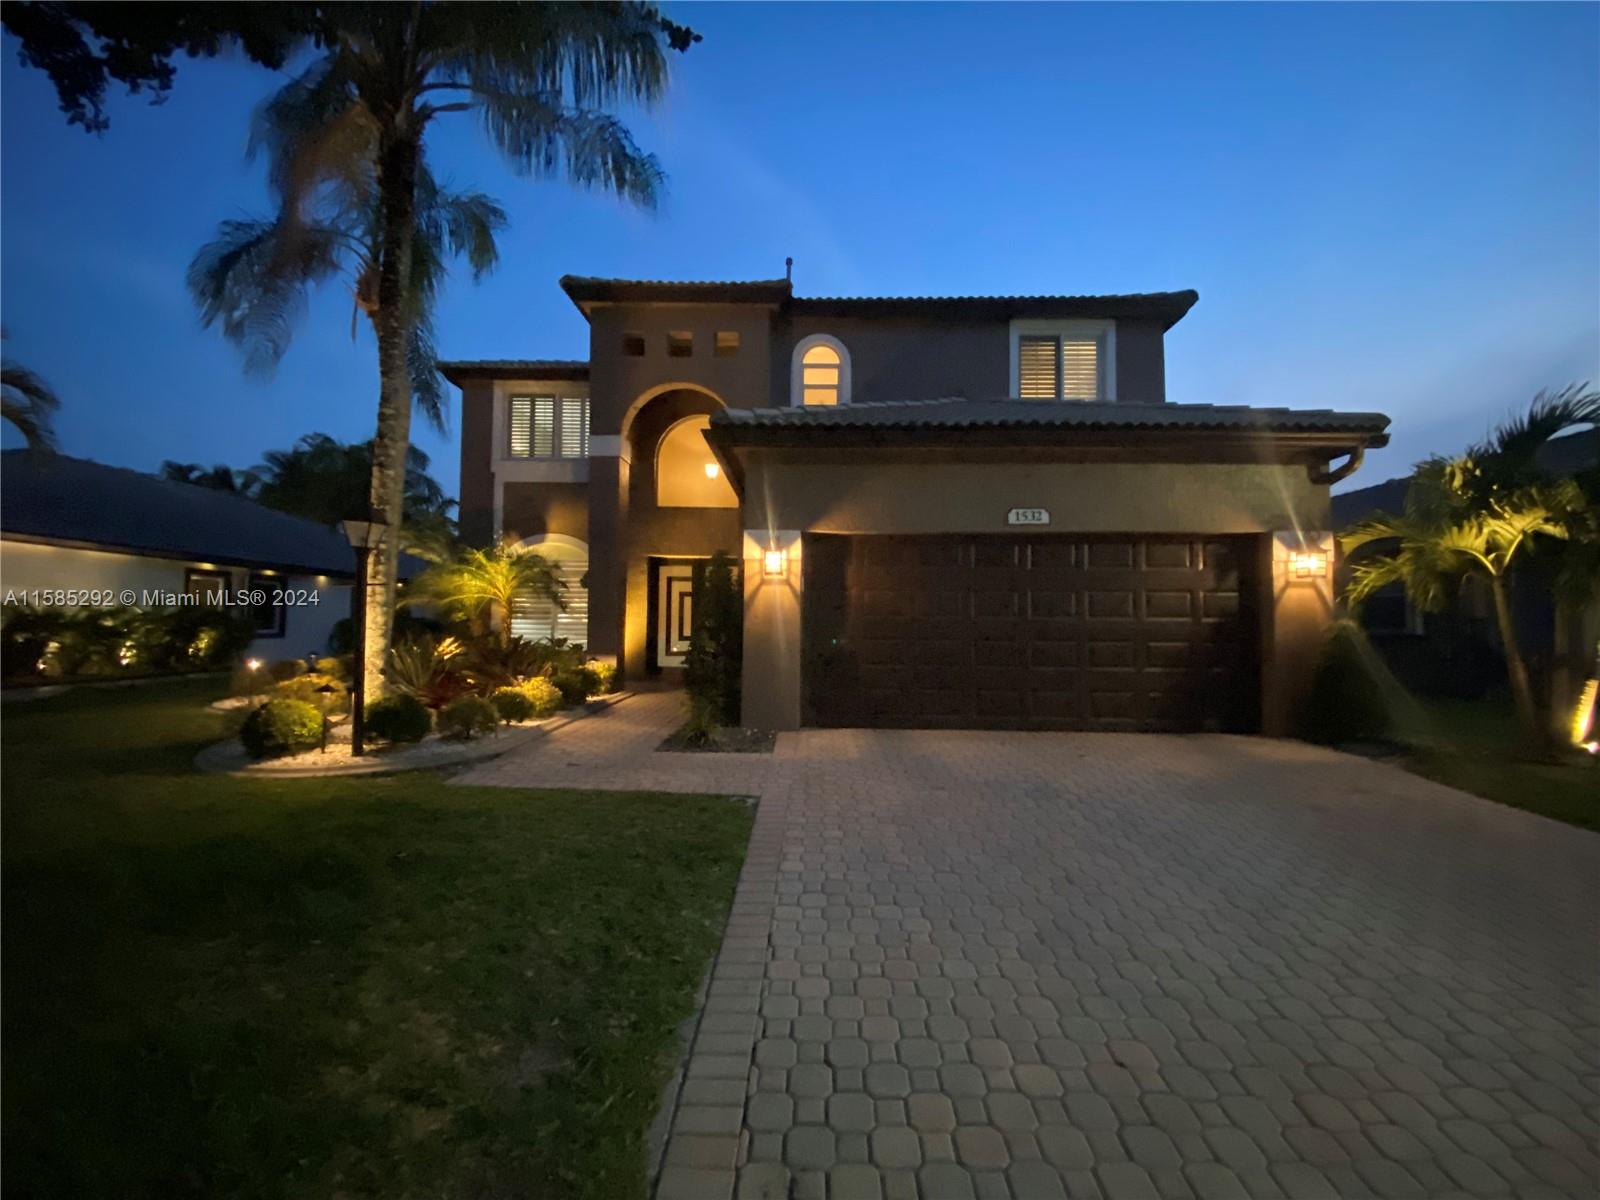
[{"x": 1028, "y": 516}]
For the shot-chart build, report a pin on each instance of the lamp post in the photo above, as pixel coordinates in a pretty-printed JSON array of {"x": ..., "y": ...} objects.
[{"x": 364, "y": 537}]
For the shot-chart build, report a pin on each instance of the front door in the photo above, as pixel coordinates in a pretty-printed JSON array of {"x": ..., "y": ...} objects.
[{"x": 674, "y": 612}]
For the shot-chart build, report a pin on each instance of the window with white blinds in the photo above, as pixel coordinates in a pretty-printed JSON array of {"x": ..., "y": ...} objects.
[
  {"x": 535, "y": 618},
  {"x": 548, "y": 427},
  {"x": 1059, "y": 367}
]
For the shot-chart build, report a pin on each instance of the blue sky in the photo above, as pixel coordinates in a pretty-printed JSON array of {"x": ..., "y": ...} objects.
[{"x": 1392, "y": 207}]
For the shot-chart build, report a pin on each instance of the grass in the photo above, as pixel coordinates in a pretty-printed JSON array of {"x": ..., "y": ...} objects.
[
  {"x": 1477, "y": 746},
  {"x": 383, "y": 987}
]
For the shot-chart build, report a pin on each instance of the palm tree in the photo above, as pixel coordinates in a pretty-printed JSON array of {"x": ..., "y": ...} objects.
[
  {"x": 29, "y": 404},
  {"x": 326, "y": 480},
  {"x": 345, "y": 145},
  {"x": 1484, "y": 514},
  {"x": 486, "y": 583},
  {"x": 220, "y": 478}
]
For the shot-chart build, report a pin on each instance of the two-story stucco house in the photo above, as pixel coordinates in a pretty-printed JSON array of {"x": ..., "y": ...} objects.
[{"x": 952, "y": 512}]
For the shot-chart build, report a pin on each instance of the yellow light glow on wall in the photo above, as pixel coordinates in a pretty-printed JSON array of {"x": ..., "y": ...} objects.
[
  {"x": 774, "y": 563},
  {"x": 1308, "y": 564}
]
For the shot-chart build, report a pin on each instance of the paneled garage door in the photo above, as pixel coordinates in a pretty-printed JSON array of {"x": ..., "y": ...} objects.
[{"x": 1038, "y": 632}]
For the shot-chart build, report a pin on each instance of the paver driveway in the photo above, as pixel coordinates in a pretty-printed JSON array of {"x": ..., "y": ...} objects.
[{"x": 1036, "y": 965}]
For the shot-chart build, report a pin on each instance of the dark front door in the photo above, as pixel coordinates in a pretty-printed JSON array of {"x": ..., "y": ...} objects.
[{"x": 1054, "y": 631}]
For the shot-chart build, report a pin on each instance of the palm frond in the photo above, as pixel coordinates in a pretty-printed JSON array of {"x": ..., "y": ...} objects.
[
  {"x": 29, "y": 404},
  {"x": 588, "y": 148},
  {"x": 252, "y": 280},
  {"x": 1518, "y": 440},
  {"x": 427, "y": 392}
]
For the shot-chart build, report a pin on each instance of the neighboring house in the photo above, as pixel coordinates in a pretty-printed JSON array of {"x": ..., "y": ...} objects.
[
  {"x": 1457, "y": 652},
  {"x": 71, "y": 524},
  {"x": 955, "y": 512}
]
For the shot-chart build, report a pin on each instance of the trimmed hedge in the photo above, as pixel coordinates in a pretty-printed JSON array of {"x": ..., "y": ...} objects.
[
  {"x": 398, "y": 718},
  {"x": 1346, "y": 702},
  {"x": 543, "y": 695},
  {"x": 573, "y": 686},
  {"x": 281, "y": 727},
  {"x": 512, "y": 704},
  {"x": 602, "y": 676},
  {"x": 465, "y": 718}
]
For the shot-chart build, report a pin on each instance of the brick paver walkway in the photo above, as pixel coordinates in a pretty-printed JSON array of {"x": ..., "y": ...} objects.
[{"x": 1044, "y": 965}]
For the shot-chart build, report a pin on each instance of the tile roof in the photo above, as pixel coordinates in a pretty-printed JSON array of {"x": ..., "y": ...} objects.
[
  {"x": 457, "y": 370},
  {"x": 585, "y": 290},
  {"x": 59, "y": 498},
  {"x": 956, "y": 413}
]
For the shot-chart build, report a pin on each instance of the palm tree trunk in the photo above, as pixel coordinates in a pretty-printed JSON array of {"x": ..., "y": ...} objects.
[
  {"x": 1516, "y": 668},
  {"x": 392, "y": 321}
]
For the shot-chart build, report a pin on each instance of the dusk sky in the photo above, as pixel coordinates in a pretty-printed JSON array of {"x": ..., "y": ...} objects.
[{"x": 1382, "y": 207}]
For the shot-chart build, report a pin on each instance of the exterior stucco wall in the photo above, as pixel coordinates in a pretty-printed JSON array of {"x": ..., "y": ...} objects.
[
  {"x": 966, "y": 497},
  {"x": 537, "y": 509},
  {"x": 26, "y": 566},
  {"x": 476, "y": 512},
  {"x": 903, "y": 359}
]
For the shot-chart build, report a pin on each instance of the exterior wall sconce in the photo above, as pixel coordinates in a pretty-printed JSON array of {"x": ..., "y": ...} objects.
[
  {"x": 774, "y": 564},
  {"x": 712, "y": 470},
  {"x": 1308, "y": 564}
]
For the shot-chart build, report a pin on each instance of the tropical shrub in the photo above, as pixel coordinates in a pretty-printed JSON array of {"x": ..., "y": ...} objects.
[
  {"x": 304, "y": 687},
  {"x": 603, "y": 677},
  {"x": 543, "y": 695},
  {"x": 490, "y": 663},
  {"x": 281, "y": 727},
  {"x": 286, "y": 669},
  {"x": 339, "y": 668},
  {"x": 1346, "y": 702},
  {"x": 398, "y": 718},
  {"x": 573, "y": 684},
  {"x": 66, "y": 643},
  {"x": 480, "y": 585},
  {"x": 466, "y": 717},
  {"x": 715, "y": 661},
  {"x": 429, "y": 671},
  {"x": 512, "y": 703}
]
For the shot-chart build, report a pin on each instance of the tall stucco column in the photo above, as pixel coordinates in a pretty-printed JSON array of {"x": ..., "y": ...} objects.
[
  {"x": 1299, "y": 610},
  {"x": 608, "y": 505},
  {"x": 772, "y": 575}
]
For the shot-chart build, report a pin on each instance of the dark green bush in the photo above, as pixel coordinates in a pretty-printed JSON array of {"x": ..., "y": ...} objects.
[
  {"x": 398, "y": 718},
  {"x": 1346, "y": 702},
  {"x": 56, "y": 643},
  {"x": 281, "y": 727},
  {"x": 339, "y": 668},
  {"x": 304, "y": 687},
  {"x": 512, "y": 703},
  {"x": 407, "y": 625},
  {"x": 573, "y": 686},
  {"x": 465, "y": 718},
  {"x": 286, "y": 669},
  {"x": 543, "y": 695},
  {"x": 715, "y": 661}
]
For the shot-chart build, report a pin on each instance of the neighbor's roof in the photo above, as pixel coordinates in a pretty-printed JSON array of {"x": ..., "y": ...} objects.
[
  {"x": 587, "y": 291},
  {"x": 1054, "y": 414},
  {"x": 460, "y": 370},
  {"x": 52, "y": 497}
]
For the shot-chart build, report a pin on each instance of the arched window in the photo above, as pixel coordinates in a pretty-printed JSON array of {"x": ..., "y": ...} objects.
[
  {"x": 821, "y": 372},
  {"x": 687, "y": 473},
  {"x": 534, "y": 617}
]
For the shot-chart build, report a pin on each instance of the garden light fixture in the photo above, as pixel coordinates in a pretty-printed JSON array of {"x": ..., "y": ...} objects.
[
  {"x": 325, "y": 698},
  {"x": 1308, "y": 564}
]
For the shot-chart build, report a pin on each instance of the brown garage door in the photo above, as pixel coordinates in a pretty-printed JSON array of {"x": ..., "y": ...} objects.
[{"x": 1038, "y": 632}]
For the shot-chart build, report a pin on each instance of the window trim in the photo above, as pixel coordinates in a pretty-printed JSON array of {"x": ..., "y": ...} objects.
[
  {"x": 796, "y": 381},
  {"x": 280, "y": 613},
  {"x": 558, "y": 403},
  {"x": 218, "y": 574},
  {"x": 1104, "y": 332}
]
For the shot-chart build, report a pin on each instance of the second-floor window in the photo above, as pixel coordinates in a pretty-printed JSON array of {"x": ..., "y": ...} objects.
[
  {"x": 548, "y": 427},
  {"x": 1066, "y": 364},
  {"x": 821, "y": 372}
]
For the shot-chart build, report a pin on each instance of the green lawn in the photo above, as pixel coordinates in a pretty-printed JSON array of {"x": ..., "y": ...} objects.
[
  {"x": 389, "y": 987},
  {"x": 1476, "y": 746}
]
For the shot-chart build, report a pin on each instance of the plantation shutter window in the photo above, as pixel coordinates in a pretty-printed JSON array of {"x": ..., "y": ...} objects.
[
  {"x": 548, "y": 427},
  {"x": 1064, "y": 366},
  {"x": 1036, "y": 368}
]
